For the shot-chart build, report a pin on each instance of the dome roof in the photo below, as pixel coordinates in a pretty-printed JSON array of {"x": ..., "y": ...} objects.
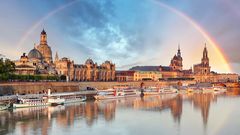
[
  {"x": 89, "y": 61},
  {"x": 34, "y": 53}
]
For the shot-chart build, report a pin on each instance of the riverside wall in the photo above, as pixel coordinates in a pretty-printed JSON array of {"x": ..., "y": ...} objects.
[{"x": 42, "y": 87}]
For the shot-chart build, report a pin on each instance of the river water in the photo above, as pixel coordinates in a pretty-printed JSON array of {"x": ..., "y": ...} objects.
[{"x": 173, "y": 114}]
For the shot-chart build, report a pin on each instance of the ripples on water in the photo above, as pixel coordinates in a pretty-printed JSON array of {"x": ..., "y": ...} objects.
[{"x": 189, "y": 114}]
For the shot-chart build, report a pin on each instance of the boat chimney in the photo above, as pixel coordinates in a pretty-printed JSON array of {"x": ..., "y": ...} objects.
[{"x": 49, "y": 92}]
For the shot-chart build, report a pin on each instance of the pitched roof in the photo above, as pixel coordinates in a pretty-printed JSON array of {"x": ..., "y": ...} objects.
[{"x": 145, "y": 68}]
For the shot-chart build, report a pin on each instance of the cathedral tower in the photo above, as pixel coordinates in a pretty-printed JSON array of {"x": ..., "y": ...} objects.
[
  {"x": 44, "y": 48},
  {"x": 176, "y": 62},
  {"x": 203, "y": 68},
  {"x": 205, "y": 59}
]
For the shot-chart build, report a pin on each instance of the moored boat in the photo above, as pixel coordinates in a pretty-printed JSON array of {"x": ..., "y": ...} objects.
[
  {"x": 68, "y": 97},
  {"x": 151, "y": 91},
  {"x": 4, "y": 106},
  {"x": 116, "y": 93},
  {"x": 168, "y": 90},
  {"x": 219, "y": 89},
  {"x": 34, "y": 102}
]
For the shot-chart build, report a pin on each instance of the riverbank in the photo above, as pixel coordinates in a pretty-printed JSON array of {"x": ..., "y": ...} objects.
[{"x": 22, "y": 88}]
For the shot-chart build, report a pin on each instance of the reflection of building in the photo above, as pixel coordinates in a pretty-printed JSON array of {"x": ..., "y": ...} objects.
[
  {"x": 138, "y": 75},
  {"x": 202, "y": 102},
  {"x": 39, "y": 61}
]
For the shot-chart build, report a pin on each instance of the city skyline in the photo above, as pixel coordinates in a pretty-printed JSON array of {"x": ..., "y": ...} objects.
[{"x": 108, "y": 30}]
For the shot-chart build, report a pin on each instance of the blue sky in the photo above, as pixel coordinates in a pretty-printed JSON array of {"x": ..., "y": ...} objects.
[{"x": 127, "y": 32}]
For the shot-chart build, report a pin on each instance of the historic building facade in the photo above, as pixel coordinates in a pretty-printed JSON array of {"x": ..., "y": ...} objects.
[
  {"x": 202, "y": 72},
  {"x": 203, "y": 68},
  {"x": 174, "y": 70},
  {"x": 176, "y": 61},
  {"x": 89, "y": 71},
  {"x": 44, "y": 48},
  {"x": 39, "y": 61},
  {"x": 138, "y": 76}
]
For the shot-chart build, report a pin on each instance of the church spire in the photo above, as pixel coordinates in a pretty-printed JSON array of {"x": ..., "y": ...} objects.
[
  {"x": 56, "y": 57},
  {"x": 43, "y": 32},
  {"x": 179, "y": 51},
  {"x": 35, "y": 46},
  {"x": 205, "y": 52},
  {"x": 205, "y": 59}
]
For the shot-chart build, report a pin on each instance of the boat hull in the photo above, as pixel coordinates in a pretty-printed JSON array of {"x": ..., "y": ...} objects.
[
  {"x": 26, "y": 105},
  {"x": 113, "y": 97}
]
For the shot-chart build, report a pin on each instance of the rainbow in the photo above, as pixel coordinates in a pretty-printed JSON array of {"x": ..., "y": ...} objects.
[
  {"x": 39, "y": 22},
  {"x": 203, "y": 32}
]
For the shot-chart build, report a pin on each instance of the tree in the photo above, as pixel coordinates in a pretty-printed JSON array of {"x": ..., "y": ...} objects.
[{"x": 6, "y": 66}]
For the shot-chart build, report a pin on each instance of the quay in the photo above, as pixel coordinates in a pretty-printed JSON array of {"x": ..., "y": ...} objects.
[
  {"x": 12, "y": 98},
  {"x": 24, "y": 88},
  {"x": 9, "y": 90}
]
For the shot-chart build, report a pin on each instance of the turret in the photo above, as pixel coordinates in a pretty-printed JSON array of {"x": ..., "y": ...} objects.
[
  {"x": 205, "y": 59},
  {"x": 179, "y": 51},
  {"x": 43, "y": 37},
  {"x": 56, "y": 57}
]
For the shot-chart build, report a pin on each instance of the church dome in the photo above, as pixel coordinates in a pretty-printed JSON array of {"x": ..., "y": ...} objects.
[
  {"x": 89, "y": 61},
  {"x": 34, "y": 54}
]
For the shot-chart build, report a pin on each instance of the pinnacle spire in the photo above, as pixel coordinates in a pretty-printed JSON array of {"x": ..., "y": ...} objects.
[
  {"x": 35, "y": 45},
  {"x": 56, "y": 57},
  {"x": 43, "y": 32},
  {"x": 179, "y": 51}
]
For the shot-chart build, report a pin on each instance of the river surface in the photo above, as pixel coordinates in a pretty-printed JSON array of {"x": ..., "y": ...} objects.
[{"x": 173, "y": 114}]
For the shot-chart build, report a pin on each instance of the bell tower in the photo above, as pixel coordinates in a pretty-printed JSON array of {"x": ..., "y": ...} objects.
[
  {"x": 43, "y": 37},
  {"x": 205, "y": 59},
  {"x": 44, "y": 49}
]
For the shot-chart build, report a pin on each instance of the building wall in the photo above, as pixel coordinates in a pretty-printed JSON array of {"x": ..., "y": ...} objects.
[
  {"x": 216, "y": 78},
  {"x": 142, "y": 75},
  {"x": 88, "y": 72}
]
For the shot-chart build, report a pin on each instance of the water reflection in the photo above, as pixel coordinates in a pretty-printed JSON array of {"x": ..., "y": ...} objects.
[{"x": 42, "y": 119}]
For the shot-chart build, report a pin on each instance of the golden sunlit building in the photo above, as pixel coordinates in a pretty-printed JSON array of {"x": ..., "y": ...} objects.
[
  {"x": 89, "y": 71},
  {"x": 174, "y": 70},
  {"x": 39, "y": 61},
  {"x": 138, "y": 75},
  {"x": 147, "y": 75},
  {"x": 202, "y": 72}
]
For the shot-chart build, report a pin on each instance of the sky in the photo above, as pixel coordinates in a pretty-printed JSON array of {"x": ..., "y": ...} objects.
[{"x": 126, "y": 32}]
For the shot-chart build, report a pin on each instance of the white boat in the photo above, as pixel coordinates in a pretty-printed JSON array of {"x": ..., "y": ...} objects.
[
  {"x": 152, "y": 91},
  {"x": 68, "y": 97},
  {"x": 116, "y": 93},
  {"x": 55, "y": 100},
  {"x": 168, "y": 90},
  {"x": 219, "y": 89},
  {"x": 207, "y": 89},
  {"x": 4, "y": 106},
  {"x": 35, "y": 102},
  {"x": 50, "y": 99}
]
